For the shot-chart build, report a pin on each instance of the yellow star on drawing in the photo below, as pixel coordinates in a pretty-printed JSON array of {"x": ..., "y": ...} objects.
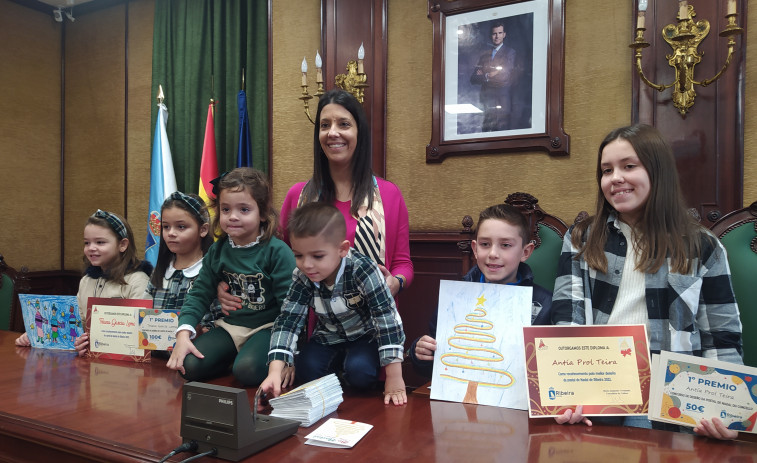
[{"x": 480, "y": 300}]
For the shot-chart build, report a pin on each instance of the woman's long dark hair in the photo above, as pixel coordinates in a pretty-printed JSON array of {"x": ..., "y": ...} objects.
[
  {"x": 321, "y": 186},
  {"x": 665, "y": 229}
]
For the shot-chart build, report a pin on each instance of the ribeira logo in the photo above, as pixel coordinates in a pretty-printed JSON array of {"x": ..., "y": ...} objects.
[
  {"x": 542, "y": 346},
  {"x": 155, "y": 223},
  {"x": 724, "y": 414},
  {"x": 553, "y": 394}
]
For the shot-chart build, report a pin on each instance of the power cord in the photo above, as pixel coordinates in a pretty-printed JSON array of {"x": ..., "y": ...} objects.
[
  {"x": 190, "y": 446},
  {"x": 209, "y": 453}
]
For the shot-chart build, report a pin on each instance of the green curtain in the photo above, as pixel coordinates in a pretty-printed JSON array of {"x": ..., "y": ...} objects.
[{"x": 194, "y": 40}]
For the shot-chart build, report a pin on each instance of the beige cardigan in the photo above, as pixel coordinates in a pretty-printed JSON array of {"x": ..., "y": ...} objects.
[{"x": 136, "y": 284}]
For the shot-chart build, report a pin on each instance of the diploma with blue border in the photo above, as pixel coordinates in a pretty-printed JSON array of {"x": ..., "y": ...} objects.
[{"x": 686, "y": 389}]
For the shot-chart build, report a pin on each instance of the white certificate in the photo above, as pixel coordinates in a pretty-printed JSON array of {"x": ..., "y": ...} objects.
[{"x": 114, "y": 330}]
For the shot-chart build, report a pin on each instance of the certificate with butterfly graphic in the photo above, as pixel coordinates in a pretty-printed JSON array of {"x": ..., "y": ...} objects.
[{"x": 605, "y": 368}]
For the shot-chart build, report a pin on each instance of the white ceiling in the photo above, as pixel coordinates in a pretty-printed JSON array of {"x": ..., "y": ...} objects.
[{"x": 64, "y": 3}]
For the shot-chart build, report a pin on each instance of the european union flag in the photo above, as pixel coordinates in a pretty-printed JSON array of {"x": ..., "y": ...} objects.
[{"x": 244, "y": 152}]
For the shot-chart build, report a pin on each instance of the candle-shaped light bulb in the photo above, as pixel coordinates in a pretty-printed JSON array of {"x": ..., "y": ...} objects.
[
  {"x": 731, "y": 7},
  {"x": 304, "y": 72},
  {"x": 643, "y": 5},
  {"x": 318, "y": 70},
  {"x": 360, "y": 56},
  {"x": 640, "y": 20},
  {"x": 683, "y": 10}
]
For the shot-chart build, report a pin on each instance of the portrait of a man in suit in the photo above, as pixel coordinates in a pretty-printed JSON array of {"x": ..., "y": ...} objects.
[{"x": 497, "y": 72}]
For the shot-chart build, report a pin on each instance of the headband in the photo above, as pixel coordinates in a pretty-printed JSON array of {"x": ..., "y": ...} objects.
[
  {"x": 215, "y": 183},
  {"x": 115, "y": 223},
  {"x": 196, "y": 205}
]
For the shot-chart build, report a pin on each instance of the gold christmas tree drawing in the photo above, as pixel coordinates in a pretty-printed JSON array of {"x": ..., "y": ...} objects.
[{"x": 470, "y": 353}]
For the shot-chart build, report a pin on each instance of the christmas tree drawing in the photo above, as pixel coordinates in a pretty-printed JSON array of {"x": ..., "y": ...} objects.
[{"x": 471, "y": 354}]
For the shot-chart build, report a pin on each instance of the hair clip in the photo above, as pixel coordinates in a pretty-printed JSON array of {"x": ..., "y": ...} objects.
[{"x": 216, "y": 181}]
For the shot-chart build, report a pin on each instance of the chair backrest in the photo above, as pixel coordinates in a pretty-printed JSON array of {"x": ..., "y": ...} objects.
[
  {"x": 546, "y": 233},
  {"x": 10, "y": 308},
  {"x": 737, "y": 231}
]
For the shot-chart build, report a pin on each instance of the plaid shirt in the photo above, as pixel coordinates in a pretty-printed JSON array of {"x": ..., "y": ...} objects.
[
  {"x": 694, "y": 314},
  {"x": 360, "y": 303},
  {"x": 176, "y": 285}
]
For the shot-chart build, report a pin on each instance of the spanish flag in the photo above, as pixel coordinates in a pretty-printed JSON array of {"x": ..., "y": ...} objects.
[{"x": 209, "y": 163}]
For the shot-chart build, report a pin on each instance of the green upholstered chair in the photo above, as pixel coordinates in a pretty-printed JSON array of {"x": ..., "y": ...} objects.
[
  {"x": 10, "y": 308},
  {"x": 547, "y": 232},
  {"x": 737, "y": 231}
]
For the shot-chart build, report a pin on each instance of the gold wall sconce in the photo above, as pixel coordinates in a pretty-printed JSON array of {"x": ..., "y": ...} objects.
[
  {"x": 354, "y": 81},
  {"x": 684, "y": 38}
]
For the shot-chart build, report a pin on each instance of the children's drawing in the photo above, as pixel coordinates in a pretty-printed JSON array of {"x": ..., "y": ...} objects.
[
  {"x": 479, "y": 357},
  {"x": 52, "y": 322}
]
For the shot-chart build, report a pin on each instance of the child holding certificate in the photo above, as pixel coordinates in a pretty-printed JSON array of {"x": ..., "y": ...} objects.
[
  {"x": 501, "y": 248},
  {"x": 256, "y": 265},
  {"x": 184, "y": 239},
  {"x": 114, "y": 270},
  {"x": 643, "y": 259}
]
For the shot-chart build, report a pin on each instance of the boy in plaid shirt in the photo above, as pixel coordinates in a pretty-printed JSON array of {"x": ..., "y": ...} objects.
[{"x": 358, "y": 329}]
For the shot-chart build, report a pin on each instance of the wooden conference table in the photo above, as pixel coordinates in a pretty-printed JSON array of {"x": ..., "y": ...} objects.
[{"x": 56, "y": 407}]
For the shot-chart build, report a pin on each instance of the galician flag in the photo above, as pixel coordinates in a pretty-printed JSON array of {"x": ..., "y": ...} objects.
[
  {"x": 162, "y": 182},
  {"x": 244, "y": 151},
  {"x": 209, "y": 163}
]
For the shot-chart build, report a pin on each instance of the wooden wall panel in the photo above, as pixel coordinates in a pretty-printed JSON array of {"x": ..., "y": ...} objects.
[
  {"x": 95, "y": 124},
  {"x": 435, "y": 257},
  {"x": 708, "y": 142},
  {"x": 138, "y": 139},
  {"x": 29, "y": 137},
  {"x": 292, "y": 143}
]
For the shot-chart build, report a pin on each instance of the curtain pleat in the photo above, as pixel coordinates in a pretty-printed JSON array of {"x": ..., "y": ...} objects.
[{"x": 194, "y": 39}]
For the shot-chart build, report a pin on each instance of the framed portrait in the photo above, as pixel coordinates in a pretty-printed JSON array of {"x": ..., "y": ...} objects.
[{"x": 497, "y": 77}]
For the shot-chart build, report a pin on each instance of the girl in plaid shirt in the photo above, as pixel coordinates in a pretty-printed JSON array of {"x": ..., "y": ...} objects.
[
  {"x": 643, "y": 259},
  {"x": 184, "y": 239}
]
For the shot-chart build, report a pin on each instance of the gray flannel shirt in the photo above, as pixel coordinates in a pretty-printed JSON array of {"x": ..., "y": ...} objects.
[
  {"x": 360, "y": 303},
  {"x": 693, "y": 314}
]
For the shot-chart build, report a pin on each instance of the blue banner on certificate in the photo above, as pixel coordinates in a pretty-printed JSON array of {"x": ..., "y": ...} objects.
[
  {"x": 157, "y": 329},
  {"x": 686, "y": 389}
]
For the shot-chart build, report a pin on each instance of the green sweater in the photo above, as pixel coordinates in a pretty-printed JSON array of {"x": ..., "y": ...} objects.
[{"x": 260, "y": 275}]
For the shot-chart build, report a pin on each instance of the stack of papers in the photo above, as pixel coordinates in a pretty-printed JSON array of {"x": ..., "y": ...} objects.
[
  {"x": 336, "y": 433},
  {"x": 309, "y": 402}
]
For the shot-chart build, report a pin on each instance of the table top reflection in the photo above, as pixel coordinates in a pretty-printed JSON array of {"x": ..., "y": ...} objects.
[{"x": 131, "y": 412}]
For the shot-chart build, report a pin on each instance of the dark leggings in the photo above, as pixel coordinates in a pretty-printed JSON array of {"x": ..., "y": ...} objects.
[
  {"x": 357, "y": 361},
  {"x": 249, "y": 364}
]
